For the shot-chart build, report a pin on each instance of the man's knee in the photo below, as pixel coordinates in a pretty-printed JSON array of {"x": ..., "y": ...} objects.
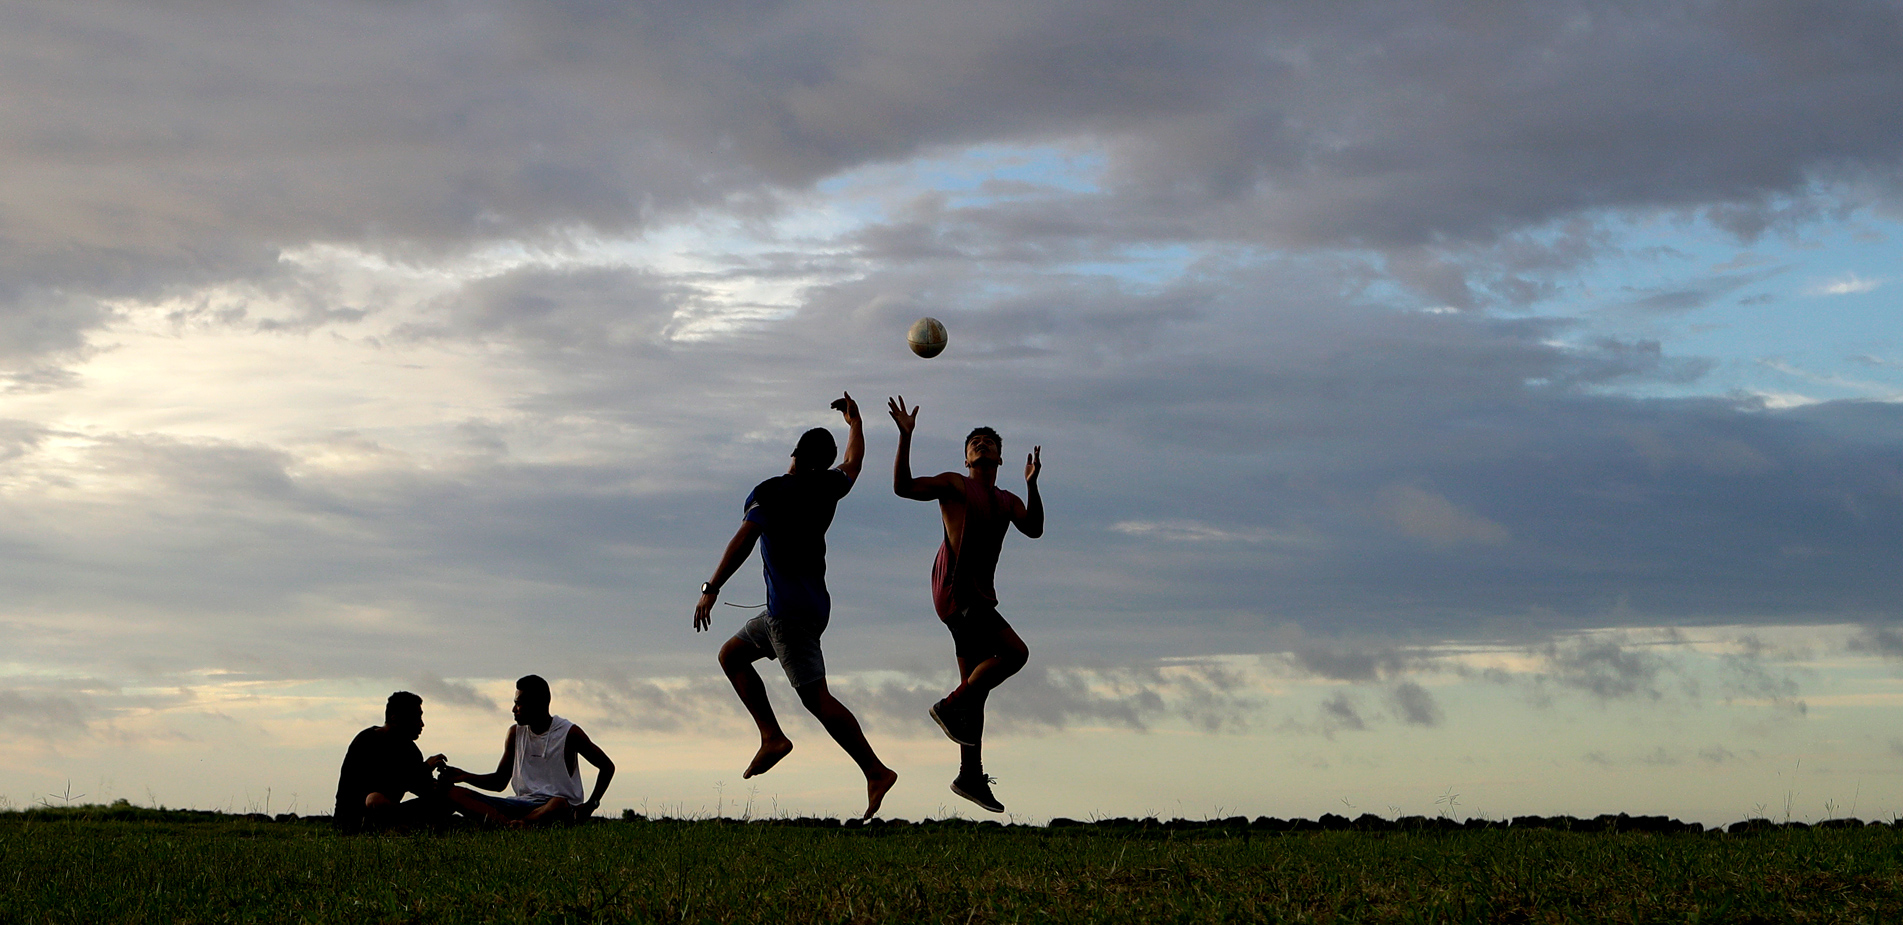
[
  {"x": 815, "y": 697},
  {"x": 1012, "y": 648},
  {"x": 375, "y": 800},
  {"x": 1009, "y": 656},
  {"x": 738, "y": 653}
]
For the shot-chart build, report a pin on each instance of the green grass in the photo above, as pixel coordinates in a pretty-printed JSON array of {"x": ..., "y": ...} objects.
[{"x": 99, "y": 865}]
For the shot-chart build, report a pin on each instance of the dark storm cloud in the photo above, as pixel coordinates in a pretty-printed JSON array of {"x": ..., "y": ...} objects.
[{"x": 151, "y": 150}]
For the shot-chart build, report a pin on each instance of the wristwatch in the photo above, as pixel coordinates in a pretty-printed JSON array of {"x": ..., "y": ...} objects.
[{"x": 708, "y": 587}]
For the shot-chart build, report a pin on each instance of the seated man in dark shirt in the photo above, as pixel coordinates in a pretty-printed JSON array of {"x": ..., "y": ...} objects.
[{"x": 382, "y": 765}]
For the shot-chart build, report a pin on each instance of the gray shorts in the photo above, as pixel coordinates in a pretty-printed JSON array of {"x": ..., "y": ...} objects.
[
  {"x": 512, "y": 807},
  {"x": 794, "y": 643}
]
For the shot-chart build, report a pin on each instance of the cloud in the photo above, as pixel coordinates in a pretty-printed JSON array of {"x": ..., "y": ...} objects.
[
  {"x": 1749, "y": 675},
  {"x": 1848, "y": 284},
  {"x": 1423, "y": 515},
  {"x": 556, "y": 286},
  {"x": 1185, "y": 531},
  {"x": 150, "y": 160},
  {"x": 49, "y": 716},
  {"x": 1886, "y": 641},
  {"x": 1414, "y": 705},
  {"x": 454, "y": 693},
  {"x": 1207, "y": 697},
  {"x": 1695, "y": 294},
  {"x": 1353, "y": 663},
  {"x": 1340, "y": 712},
  {"x": 1606, "y": 668}
]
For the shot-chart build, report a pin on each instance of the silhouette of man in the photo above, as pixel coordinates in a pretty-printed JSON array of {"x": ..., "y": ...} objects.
[
  {"x": 541, "y": 762},
  {"x": 788, "y": 516},
  {"x": 976, "y": 514},
  {"x": 382, "y": 764}
]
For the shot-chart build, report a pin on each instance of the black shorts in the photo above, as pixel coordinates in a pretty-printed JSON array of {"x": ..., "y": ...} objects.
[{"x": 977, "y": 632}]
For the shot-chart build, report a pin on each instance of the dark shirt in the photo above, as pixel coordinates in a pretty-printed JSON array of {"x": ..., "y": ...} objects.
[
  {"x": 378, "y": 762},
  {"x": 793, "y": 512},
  {"x": 962, "y": 578}
]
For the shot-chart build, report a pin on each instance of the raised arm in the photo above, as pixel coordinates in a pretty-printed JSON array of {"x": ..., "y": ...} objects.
[
  {"x": 738, "y": 549},
  {"x": 930, "y": 488},
  {"x": 581, "y": 744},
  {"x": 855, "y": 437},
  {"x": 1030, "y": 518}
]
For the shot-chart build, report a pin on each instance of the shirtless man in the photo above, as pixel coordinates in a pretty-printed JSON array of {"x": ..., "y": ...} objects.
[
  {"x": 976, "y": 514},
  {"x": 541, "y": 762},
  {"x": 788, "y": 516}
]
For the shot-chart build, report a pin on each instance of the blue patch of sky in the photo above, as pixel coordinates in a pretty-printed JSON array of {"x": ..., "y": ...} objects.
[{"x": 1809, "y": 316}]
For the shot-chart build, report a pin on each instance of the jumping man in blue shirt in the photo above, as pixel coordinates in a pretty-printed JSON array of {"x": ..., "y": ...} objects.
[{"x": 788, "y": 516}]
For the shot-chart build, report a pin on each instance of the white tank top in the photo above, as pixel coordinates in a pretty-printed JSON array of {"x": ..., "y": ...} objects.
[{"x": 541, "y": 763}]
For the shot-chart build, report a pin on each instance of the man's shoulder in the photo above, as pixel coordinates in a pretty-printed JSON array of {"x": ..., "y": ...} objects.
[
  {"x": 370, "y": 734},
  {"x": 792, "y": 486}
]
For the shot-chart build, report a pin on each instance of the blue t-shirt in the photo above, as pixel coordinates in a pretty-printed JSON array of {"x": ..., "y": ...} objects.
[{"x": 793, "y": 512}]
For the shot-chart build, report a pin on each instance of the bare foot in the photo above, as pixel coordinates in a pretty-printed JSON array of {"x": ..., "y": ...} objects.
[
  {"x": 876, "y": 787},
  {"x": 769, "y": 755}
]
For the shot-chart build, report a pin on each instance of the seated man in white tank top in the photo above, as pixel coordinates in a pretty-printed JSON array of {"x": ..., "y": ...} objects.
[{"x": 541, "y": 763}]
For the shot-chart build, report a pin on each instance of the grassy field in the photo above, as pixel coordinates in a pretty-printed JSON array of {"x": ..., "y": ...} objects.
[{"x": 132, "y": 865}]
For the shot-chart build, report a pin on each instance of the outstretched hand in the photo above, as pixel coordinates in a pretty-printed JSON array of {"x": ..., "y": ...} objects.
[
  {"x": 846, "y": 406},
  {"x": 1033, "y": 464},
  {"x": 907, "y": 420},
  {"x": 704, "y": 613}
]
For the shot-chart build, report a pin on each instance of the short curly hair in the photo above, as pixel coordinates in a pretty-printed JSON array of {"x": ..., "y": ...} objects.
[{"x": 401, "y": 703}]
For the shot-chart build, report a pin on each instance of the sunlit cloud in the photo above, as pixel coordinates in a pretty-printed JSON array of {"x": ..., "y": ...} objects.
[{"x": 1848, "y": 284}]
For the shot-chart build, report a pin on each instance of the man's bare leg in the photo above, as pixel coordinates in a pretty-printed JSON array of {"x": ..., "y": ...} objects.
[
  {"x": 379, "y": 811},
  {"x": 736, "y": 659},
  {"x": 844, "y": 728},
  {"x": 555, "y": 810},
  {"x": 982, "y": 678},
  {"x": 472, "y": 804},
  {"x": 969, "y": 703}
]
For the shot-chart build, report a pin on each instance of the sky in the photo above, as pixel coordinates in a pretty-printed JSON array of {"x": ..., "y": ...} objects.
[{"x": 1444, "y": 410}]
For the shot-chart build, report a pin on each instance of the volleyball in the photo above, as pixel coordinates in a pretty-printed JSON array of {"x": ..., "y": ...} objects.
[{"x": 927, "y": 337}]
